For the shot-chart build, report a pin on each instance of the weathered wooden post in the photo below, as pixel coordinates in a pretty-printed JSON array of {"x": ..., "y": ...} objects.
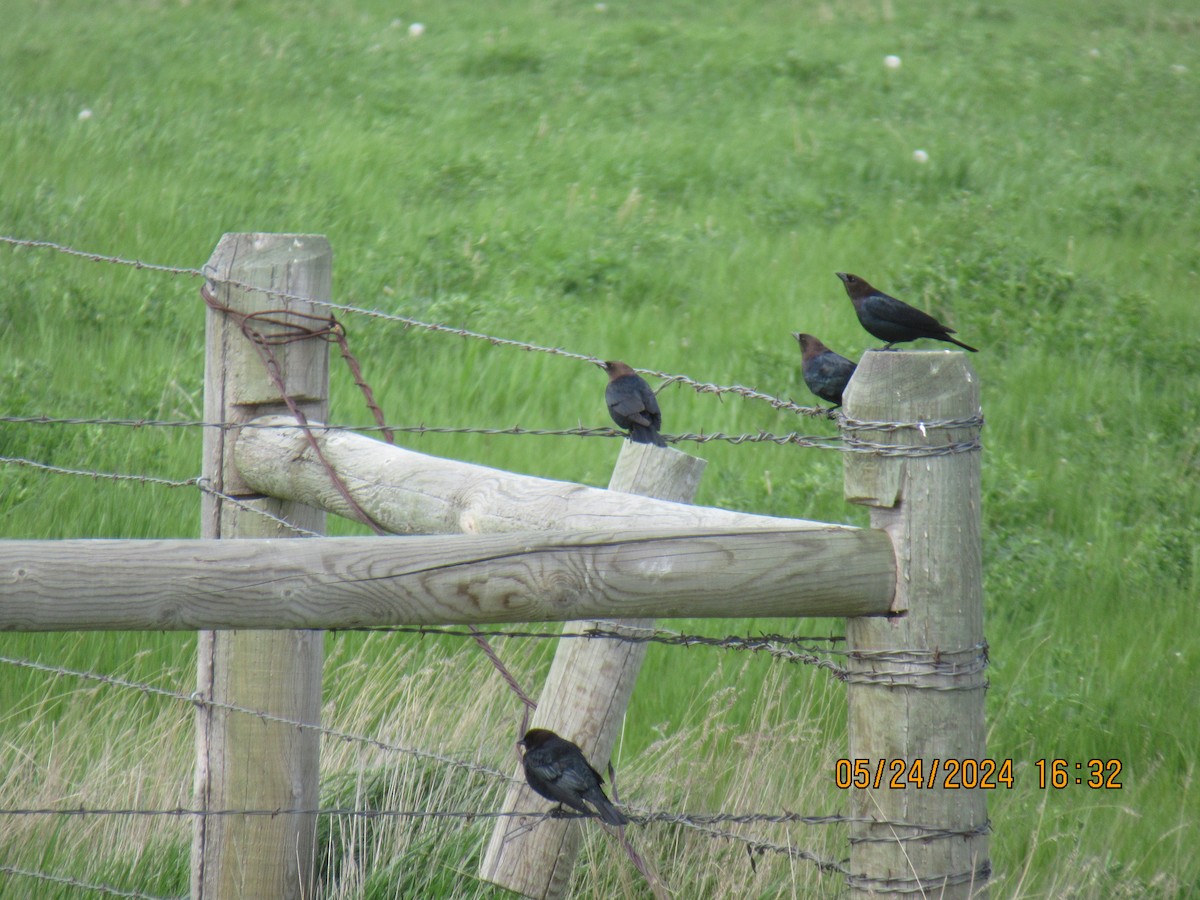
[
  {"x": 585, "y": 698},
  {"x": 243, "y": 761},
  {"x": 916, "y": 686}
]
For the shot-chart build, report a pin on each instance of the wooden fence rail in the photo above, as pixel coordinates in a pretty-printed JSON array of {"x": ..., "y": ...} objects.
[
  {"x": 153, "y": 585},
  {"x": 410, "y": 492}
]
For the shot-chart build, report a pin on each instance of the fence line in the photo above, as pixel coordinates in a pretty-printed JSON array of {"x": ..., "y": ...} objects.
[
  {"x": 643, "y": 818},
  {"x": 636, "y": 815},
  {"x": 844, "y": 444},
  {"x": 195, "y": 699},
  {"x": 768, "y": 644},
  {"x": 911, "y": 668},
  {"x": 668, "y": 378}
]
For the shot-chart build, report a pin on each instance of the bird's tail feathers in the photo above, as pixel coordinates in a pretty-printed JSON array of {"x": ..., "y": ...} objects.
[
  {"x": 608, "y": 813},
  {"x": 960, "y": 343},
  {"x": 642, "y": 434}
]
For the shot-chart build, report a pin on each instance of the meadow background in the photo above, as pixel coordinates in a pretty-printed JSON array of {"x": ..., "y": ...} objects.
[{"x": 672, "y": 184}]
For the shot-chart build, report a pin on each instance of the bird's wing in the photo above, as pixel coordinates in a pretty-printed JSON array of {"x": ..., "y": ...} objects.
[
  {"x": 547, "y": 770},
  {"x": 900, "y": 313},
  {"x": 831, "y": 365},
  {"x": 577, "y": 776},
  {"x": 565, "y": 771},
  {"x": 631, "y": 407}
]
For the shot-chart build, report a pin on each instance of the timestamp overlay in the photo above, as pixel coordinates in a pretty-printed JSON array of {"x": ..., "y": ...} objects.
[{"x": 976, "y": 774}]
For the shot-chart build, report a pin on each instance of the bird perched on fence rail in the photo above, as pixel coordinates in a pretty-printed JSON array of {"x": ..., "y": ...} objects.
[
  {"x": 892, "y": 320},
  {"x": 557, "y": 770},
  {"x": 825, "y": 372},
  {"x": 632, "y": 404}
]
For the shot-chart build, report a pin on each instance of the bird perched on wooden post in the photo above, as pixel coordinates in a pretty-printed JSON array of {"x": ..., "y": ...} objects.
[
  {"x": 825, "y": 372},
  {"x": 632, "y": 404},
  {"x": 892, "y": 320},
  {"x": 557, "y": 770}
]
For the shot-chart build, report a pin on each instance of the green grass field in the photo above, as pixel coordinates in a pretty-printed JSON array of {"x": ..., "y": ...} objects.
[{"x": 674, "y": 185}]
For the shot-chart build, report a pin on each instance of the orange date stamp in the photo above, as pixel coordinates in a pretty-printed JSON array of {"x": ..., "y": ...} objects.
[{"x": 972, "y": 774}]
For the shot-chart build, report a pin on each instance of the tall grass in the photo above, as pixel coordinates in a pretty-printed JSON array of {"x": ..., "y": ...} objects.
[{"x": 673, "y": 185}]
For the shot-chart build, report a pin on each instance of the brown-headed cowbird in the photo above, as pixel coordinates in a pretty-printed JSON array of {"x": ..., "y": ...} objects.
[
  {"x": 893, "y": 320},
  {"x": 556, "y": 769},
  {"x": 825, "y": 372},
  {"x": 632, "y": 404}
]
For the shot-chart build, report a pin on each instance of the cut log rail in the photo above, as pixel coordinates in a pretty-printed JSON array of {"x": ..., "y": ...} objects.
[{"x": 527, "y": 577}]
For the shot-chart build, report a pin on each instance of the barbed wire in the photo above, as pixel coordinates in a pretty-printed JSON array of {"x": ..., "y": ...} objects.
[
  {"x": 643, "y": 818},
  {"x": 925, "y": 886},
  {"x": 755, "y": 845},
  {"x": 701, "y": 387},
  {"x": 667, "y": 378},
  {"x": 937, "y": 669},
  {"x": 202, "y": 484},
  {"x": 95, "y": 475},
  {"x": 654, "y": 635},
  {"x": 704, "y": 823},
  {"x": 195, "y": 698},
  {"x": 769, "y": 644},
  {"x": 67, "y": 880},
  {"x": 636, "y": 815},
  {"x": 844, "y": 444},
  {"x": 100, "y": 257}
]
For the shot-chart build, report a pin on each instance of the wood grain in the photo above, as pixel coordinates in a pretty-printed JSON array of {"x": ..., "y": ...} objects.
[
  {"x": 915, "y": 701},
  {"x": 528, "y": 577},
  {"x": 414, "y": 493},
  {"x": 240, "y": 761}
]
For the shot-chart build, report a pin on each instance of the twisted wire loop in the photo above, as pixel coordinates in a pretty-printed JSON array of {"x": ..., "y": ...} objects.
[
  {"x": 921, "y": 669},
  {"x": 851, "y": 429},
  {"x": 326, "y": 328},
  {"x": 920, "y": 833},
  {"x": 846, "y": 423},
  {"x": 286, "y": 327},
  {"x": 926, "y": 886}
]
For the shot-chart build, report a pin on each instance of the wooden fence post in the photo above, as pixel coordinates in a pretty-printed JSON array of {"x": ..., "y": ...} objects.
[
  {"x": 916, "y": 685},
  {"x": 585, "y": 698},
  {"x": 244, "y": 761}
]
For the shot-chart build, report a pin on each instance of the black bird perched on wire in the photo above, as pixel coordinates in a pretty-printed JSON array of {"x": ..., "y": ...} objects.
[
  {"x": 557, "y": 770},
  {"x": 632, "y": 404},
  {"x": 825, "y": 372},
  {"x": 894, "y": 320}
]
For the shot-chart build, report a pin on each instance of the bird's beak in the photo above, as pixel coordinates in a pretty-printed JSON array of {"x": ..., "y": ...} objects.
[
  {"x": 602, "y": 365},
  {"x": 796, "y": 335},
  {"x": 842, "y": 275}
]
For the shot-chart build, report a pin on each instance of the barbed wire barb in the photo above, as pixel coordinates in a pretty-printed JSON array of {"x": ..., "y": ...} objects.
[
  {"x": 701, "y": 387},
  {"x": 69, "y": 881}
]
